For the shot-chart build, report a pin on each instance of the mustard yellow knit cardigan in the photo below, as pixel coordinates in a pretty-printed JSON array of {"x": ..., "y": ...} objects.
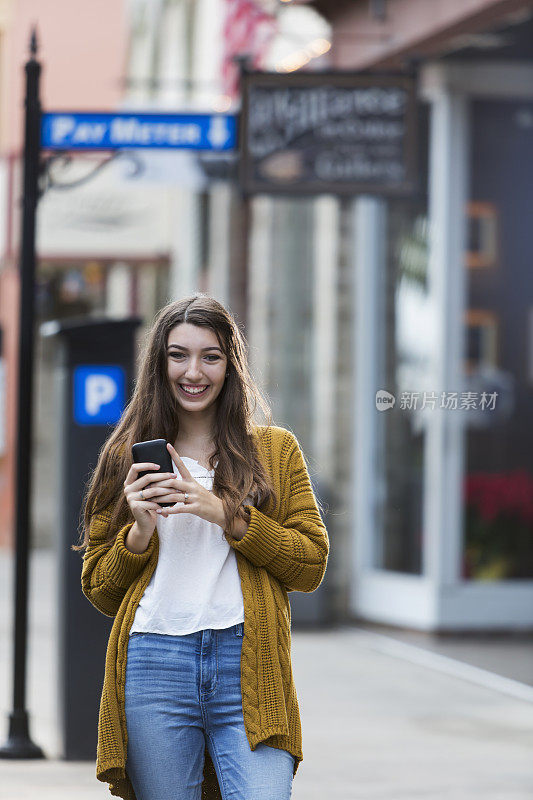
[{"x": 285, "y": 549}]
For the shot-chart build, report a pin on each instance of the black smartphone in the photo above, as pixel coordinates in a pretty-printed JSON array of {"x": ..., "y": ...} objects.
[{"x": 154, "y": 452}]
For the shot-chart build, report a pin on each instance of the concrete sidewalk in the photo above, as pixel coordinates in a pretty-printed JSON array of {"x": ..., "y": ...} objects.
[{"x": 380, "y": 718}]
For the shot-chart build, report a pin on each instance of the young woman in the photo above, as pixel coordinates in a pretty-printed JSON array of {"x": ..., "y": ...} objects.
[{"x": 198, "y": 698}]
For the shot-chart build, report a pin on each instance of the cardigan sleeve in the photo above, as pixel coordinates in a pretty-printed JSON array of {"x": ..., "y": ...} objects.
[
  {"x": 109, "y": 568},
  {"x": 296, "y": 550}
]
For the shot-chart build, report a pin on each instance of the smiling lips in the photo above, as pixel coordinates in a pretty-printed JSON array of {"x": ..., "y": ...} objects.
[{"x": 192, "y": 391}]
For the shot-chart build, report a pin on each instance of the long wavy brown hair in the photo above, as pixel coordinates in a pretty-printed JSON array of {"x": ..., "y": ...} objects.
[{"x": 153, "y": 413}]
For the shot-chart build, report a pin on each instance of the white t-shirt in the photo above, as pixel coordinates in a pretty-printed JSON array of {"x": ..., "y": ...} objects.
[{"x": 196, "y": 583}]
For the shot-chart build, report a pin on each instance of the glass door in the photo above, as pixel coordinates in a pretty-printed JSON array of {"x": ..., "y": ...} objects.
[{"x": 498, "y": 362}]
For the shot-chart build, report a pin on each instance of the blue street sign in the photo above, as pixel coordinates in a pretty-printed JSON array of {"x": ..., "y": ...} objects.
[
  {"x": 99, "y": 394},
  {"x": 73, "y": 131}
]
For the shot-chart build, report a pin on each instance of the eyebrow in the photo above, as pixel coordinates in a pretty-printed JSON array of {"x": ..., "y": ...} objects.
[{"x": 179, "y": 347}]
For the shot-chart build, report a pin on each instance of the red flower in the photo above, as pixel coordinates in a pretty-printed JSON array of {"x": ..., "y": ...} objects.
[{"x": 506, "y": 494}]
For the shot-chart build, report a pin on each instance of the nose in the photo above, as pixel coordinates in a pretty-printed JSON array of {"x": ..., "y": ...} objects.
[{"x": 193, "y": 371}]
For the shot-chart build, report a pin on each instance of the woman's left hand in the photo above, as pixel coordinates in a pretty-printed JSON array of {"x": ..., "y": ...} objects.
[{"x": 200, "y": 501}]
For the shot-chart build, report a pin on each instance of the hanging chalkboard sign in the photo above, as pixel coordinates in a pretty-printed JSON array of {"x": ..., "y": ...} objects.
[{"x": 338, "y": 133}]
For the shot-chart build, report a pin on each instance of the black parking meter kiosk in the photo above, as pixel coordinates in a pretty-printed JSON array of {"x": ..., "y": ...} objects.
[{"x": 95, "y": 360}]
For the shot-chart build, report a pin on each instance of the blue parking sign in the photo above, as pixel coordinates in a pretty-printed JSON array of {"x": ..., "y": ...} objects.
[
  {"x": 69, "y": 130},
  {"x": 99, "y": 394}
]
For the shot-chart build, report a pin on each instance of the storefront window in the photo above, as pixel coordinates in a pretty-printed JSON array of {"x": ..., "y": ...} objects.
[
  {"x": 291, "y": 314},
  {"x": 405, "y": 356},
  {"x": 67, "y": 291},
  {"x": 82, "y": 288},
  {"x": 498, "y": 481}
]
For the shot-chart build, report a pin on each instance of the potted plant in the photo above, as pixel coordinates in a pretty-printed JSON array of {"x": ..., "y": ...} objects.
[{"x": 498, "y": 525}]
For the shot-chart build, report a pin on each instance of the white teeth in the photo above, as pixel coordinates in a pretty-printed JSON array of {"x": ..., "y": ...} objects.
[{"x": 193, "y": 391}]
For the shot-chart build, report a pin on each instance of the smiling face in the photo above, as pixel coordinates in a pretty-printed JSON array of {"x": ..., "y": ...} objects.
[{"x": 195, "y": 360}]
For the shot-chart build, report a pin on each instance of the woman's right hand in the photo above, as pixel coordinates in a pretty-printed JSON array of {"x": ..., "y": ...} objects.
[{"x": 145, "y": 510}]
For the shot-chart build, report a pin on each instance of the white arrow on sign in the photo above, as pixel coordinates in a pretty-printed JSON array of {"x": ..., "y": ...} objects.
[{"x": 218, "y": 133}]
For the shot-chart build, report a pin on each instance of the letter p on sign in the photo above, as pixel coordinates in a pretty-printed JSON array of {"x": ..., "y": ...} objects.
[
  {"x": 99, "y": 390},
  {"x": 99, "y": 394}
]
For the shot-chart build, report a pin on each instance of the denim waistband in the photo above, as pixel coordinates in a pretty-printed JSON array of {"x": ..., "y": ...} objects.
[{"x": 237, "y": 630}]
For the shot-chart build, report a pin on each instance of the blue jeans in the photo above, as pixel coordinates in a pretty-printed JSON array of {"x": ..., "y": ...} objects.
[{"x": 183, "y": 692}]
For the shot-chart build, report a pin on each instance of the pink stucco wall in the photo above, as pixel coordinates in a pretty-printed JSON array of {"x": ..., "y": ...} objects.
[{"x": 82, "y": 47}]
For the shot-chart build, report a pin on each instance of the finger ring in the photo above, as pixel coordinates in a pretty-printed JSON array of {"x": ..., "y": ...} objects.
[
  {"x": 186, "y": 497},
  {"x": 142, "y": 495}
]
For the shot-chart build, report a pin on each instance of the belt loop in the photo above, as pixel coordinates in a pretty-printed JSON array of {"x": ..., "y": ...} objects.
[{"x": 238, "y": 629}]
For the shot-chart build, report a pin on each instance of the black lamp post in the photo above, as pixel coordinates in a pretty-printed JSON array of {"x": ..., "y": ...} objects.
[{"x": 19, "y": 744}]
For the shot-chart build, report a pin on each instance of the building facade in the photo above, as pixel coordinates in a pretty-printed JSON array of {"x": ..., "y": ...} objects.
[{"x": 441, "y": 485}]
